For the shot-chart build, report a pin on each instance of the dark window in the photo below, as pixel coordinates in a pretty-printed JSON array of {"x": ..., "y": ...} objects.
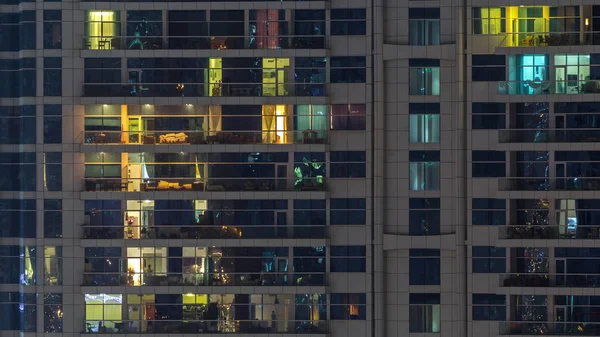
[
  {"x": 18, "y": 218},
  {"x": 348, "y": 259},
  {"x": 20, "y": 73},
  {"x": 348, "y": 116},
  {"x": 348, "y": 211},
  {"x": 52, "y": 76},
  {"x": 424, "y": 216},
  {"x": 17, "y": 31},
  {"x": 18, "y": 265},
  {"x": 488, "y": 164},
  {"x": 489, "y": 212},
  {"x": 53, "y": 171},
  {"x": 53, "y": 313},
  {"x": 17, "y": 124},
  {"x": 488, "y": 116},
  {"x": 52, "y": 124},
  {"x": 53, "y": 218},
  {"x": 488, "y": 68},
  {"x": 309, "y": 28},
  {"x": 346, "y": 306},
  {"x": 489, "y": 307},
  {"x": 349, "y": 21},
  {"x": 424, "y": 26},
  {"x": 348, "y": 69},
  {"x": 52, "y": 29},
  {"x": 424, "y": 312},
  {"x": 488, "y": 259},
  {"x": 348, "y": 164},
  {"x": 424, "y": 267},
  {"x": 18, "y": 171},
  {"x": 18, "y": 311}
]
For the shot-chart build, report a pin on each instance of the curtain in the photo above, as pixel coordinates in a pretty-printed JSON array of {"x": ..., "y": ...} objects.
[
  {"x": 319, "y": 120},
  {"x": 269, "y": 126},
  {"x": 100, "y": 25},
  {"x": 214, "y": 120}
]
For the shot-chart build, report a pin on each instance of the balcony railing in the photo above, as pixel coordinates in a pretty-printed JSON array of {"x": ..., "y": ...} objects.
[
  {"x": 201, "y": 185},
  {"x": 204, "y": 279},
  {"x": 549, "y": 184},
  {"x": 204, "y": 42},
  {"x": 550, "y": 328},
  {"x": 207, "y": 326},
  {"x": 550, "y": 280},
  {"x": 549, "y": 232},
  {"x": 202, "y": 89},
  {"x": 548, "y": 87},
  {"x": 546, "y": 39},
  {"x": 205, "y": 137},
  {"x": 549, "y": 136},
  {"x": 203, "y": 232}
]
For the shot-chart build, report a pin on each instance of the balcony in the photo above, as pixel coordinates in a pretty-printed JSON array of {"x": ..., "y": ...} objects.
[
  {"x": 549, "y": 184},
  {"x": 207, "y": 326},
  {"x": 203, "y": 279},
  {"x": 202, "y": 185},
  {"x": 194, "y": 137},
  {"x": 548, "y": 87},
  {"x": 549, "y": 136},
  {"x": 549, "y": 232},
  {"x": 550, "y": 280},
  {"x": 545, "y": 39},
  {"x": 203, "y": 232},
  {"x": 202, "y": 90},
  {"x": 530, "y": 328},
  {"x": 204, "y": 42}
]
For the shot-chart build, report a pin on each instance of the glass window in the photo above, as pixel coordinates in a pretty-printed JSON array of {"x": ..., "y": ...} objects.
[
  {"x": 424, "y": 169},
  {"x": 573, "y": 73},
  {"x": 488, "y": 116},
  {"x": 309, "y": 28},
  {"x": 144, "y": 30},
  {"x": 489, "y": 21},
  {"x": 17, "y": 218},
  {"x": 52, "y": 77},
  {"x": 424, "y": 77},
  {"x": 53, "y": 171},
  {"x": 53, "y": 265},
  {"x": 424, "y": 216},
  {"x": 424, "y": 312},
  {"x": 53, "y": 218},
  {"x": 349, "y": 21},
  {"x": 424, "y": 26},
  {"x": 488, "y": 164},
  {"x": 489, "y": 307},
  {"x": 348, "y": 164},
  {"x": 52, "y": 29},
  {"x": 488, "y": 68},
  {"x": 424, "y": 267},
  {"x": 488, "y": 259},
  {"x": 348, "y": 69},
  {"x": 19, "y": 265},
  {"x": 489, "y": 212},
  {"x": 53, "y": 313},
  {"x": 17, "y": 124},
  {"x": 100, "y": 28},
  {"x": 52, "y": 124},
  {"x": 346, "y": 306},
  {"x": 424, "y": 128},
  {"x": 18, "y": 311},
  {"x": 19, "y": 171},
  {"x": 348, "y": 211},
  {"x": 348, "y": 259},
  {"x": 348, "y": 116}
]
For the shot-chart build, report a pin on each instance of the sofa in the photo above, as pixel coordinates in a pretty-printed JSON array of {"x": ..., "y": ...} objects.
[{"x": 173, "y": 138}]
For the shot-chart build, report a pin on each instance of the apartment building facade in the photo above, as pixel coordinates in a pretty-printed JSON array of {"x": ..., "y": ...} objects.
[{"x": 343, "y": 168}]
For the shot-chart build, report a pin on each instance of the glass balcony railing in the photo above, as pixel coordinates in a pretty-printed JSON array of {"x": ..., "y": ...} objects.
[
  {"x": 546, "y": 39},
  {"x": 205, "y": 137},
  {"x": 203, "y": 232},
  {"x": 550, "y": 280},
  {"x": 201, "y": 89},
  {"x": 204, "y": 279},
  {"x": 549, "y": 136},
  {"x": 550, "y": 232},
  {"x": 202, "y": 185},
  {"x": 550, "y": 328},
  {"x": 548, "y": 87},
  {"x": 208, "y": 326},
  {"x": 204, "y": 42},
  {"x": 549, "y": 184}
]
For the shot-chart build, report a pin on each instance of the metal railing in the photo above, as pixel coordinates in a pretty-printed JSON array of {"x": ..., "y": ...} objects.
[
  {"x": 203, "y": 279},
  {"x": 203, "y": 232},
  {"x": 207, "y": 326},
  {"x": 548, "y": 135},
  {"x": 550, "y": 328},
  {"x": 550, "y": 280},
  {"x": 549, "y": 232},
  {"x": 201, "y": 185},
  {"x": 205, "y": 137},
  {"x": 549, "y": 184},
  {"x": 543, "y": 87},
  {"x": 204, "y": 42},
  {"x": 547, "y": 39},
  {"x": 204, "y": 89}
]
